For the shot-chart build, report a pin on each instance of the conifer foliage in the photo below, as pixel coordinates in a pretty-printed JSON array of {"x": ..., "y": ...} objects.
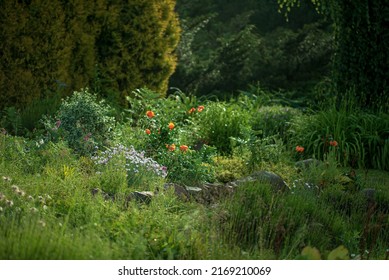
[{"x": 114, "y": 45}]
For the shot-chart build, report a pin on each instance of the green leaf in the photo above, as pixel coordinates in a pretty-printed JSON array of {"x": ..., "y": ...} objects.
[
  {"x": 311, "y": 253},
  {"x": 340, "y": 253}
]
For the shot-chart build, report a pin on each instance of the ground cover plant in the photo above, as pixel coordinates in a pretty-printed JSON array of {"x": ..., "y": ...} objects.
[{"x": 89, "y": 186}]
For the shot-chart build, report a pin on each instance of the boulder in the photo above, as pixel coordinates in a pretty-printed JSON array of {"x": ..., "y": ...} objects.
[
  {"x": 143, "y": 197},
  {"x": 211, "y": 193},
  {"x": 271, "y": 178},
  {"x": 105, "y": 195},
  {"x": 179, "y": 190}
]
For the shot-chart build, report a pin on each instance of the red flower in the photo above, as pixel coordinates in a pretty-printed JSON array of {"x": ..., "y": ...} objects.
[
  {"x": 150, "y": 114},
  {"x": 192, "y": 110},
  {"x": 299, "y": 149},
  {"x": 333, "y": 143},
  {"x": 184, "y": 148},
  {"x": 200, "y": 108},
  {"x": 148, "y": 131},
  {"x": 171, "y": 147}
]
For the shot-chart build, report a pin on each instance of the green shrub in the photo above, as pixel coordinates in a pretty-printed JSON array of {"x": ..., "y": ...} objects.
[
  {"x": 35, "y": 48},
  {"x": 189, "y": 168},
  {"x": 83, "y": 122},
  {"x": 135, "y": 45},
  {"x": 125, "y": 162},
  {"x": 229, "y": 169},
  {"x": 273, "y": 120},
  {"x": 220, "y": 122},
  {"x": 257, "y": 151},
  {"x": 112, "y": 46}
]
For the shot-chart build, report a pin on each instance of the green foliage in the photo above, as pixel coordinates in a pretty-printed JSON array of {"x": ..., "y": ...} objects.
[
  {"x": 312, "y": 253},
  {"x": 83, "y": 122},
  {"x": 11, "y": 120},
  {"x": 219, "y": 122},
  {"x": 260, "y": 221},
  {"x": 56, "y": 204},
  {"x": 261, "y": 150},
  {"x": 113, "y": 47},
  {"x": 35, "y": 51},
  {"x": 229, "y": 169},
  {"x": 361, "y": 136},
  {"x": 273, "y": 120},
  {"x": 135, "y": 46},
  {"x": 360, "y": 61},
  {"x": 168, "y": 141},
  {"x": 190, "y": 168},
  {"x": 226, "y": 46}
]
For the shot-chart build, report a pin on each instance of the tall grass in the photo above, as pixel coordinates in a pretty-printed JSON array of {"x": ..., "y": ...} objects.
[
  {"x": 275, "y": 226},
  {"x": 362, "y": 137}
]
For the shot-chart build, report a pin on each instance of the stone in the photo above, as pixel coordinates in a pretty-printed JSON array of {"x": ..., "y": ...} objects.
[
  {"x": 193, "y": 190},
  {"x": 143, "y": 197},
  {"x": 271, "y": 178},
  {"x": 105, "y": 196},
  {"x": 95, "y": 191},
  {"x": 179, "y": 191}
]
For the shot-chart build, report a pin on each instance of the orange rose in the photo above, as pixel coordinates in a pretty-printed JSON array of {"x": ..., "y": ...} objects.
[
  {"x": 148, "y": 131},
  {"x": 191, "y": 110},
  {"x": 171, "y": 125},
  {"x": 150, "y": 114},
  {"x": 333, "y": 143},
  {"x": 299, "y": 149},
  {"x": 184, "y": 148},
  {"x": 200, "y": 108}
]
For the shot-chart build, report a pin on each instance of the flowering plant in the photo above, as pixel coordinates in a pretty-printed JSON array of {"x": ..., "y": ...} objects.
[
  {"x": 163, "y": 144},
  {"x": 136, "y": 164}
]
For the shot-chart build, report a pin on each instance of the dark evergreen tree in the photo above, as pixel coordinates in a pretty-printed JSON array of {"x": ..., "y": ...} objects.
[{"x": 361, "y": 62}]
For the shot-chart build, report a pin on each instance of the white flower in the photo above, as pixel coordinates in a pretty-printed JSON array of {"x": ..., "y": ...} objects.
[
  {"x": 15, "y": 188},
  {"x": 33, "y": 210},
  {"x": 10, "y": 203},
  {"x": 7, "y": 179},
  {"x": 21, "y": 193}
]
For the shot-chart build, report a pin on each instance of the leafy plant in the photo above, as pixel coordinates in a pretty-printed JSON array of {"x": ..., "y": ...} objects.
[
  {"x": 361, "y": 137},
  {"x": 229, "y": 168},
  {"x": 273, "y": 120},
  {"x": 312, "y": 253},
  {"x": 220, "y": 122},
  {"x": 83, "y": 121},
  {"x": 138, "y": 168}
]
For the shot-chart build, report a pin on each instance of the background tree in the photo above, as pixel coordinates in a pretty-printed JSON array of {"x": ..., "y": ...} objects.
[
  {"x": 34, "y": 50},
  {"x": 136, "y": 43},
  {"x": 228, "y": 45},
  {"x": 361, "y": 61},
  {"x": 110, "y": 45}
]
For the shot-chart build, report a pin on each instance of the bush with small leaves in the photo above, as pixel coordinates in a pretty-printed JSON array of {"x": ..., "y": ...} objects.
[
  {"x": 274, "y": 120},
  {"x": 84, "y": 122}
]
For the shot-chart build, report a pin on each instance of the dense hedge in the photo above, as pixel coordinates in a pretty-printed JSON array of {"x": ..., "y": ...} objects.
[{"x": 111, "y": 45}]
